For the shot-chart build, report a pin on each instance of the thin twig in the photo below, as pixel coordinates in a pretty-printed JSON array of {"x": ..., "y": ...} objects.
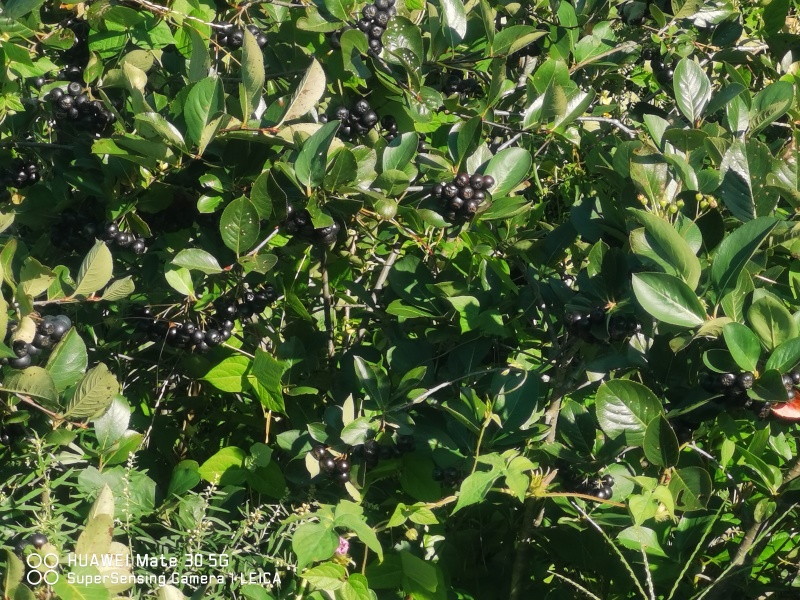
[
  {"x": 576, "y": 585},
  {"x": 13, "y": 144},
  {"x": 55, "y": 416},
  {"x": 326, "y": 300},
  {"x": 615, "y": 122}
]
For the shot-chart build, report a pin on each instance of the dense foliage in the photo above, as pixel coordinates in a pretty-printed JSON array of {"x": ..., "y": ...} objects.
[{"x": 418, "y": 300}]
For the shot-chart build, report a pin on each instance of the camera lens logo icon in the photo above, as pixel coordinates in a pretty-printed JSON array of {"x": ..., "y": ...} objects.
[{"x": 37, "y": 574}]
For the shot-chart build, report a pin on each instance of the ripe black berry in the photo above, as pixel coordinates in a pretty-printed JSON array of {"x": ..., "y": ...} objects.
[
  {"x": 318, "y": 451},
  {"x": 343, "y": 466},
  {"x": 361, "y": 107},
  {"x": 382, "y": 18},
  {"x": 213, "y": 337},
  {"x": 369, "y": 118},
  {"x": 327, "y": 464},
  {"x": 467, "y": 193},
  {"x": 22, "y": 362},
  {"x": 375, "y": 45},
  {"x": 608, "y": 480},
  {"x": 38, "y": 540},
  {"x": 745, "y": 380},
  {"x": 788, "y": 381},
  {"x": 74, "y": 88},
  {"x": 727, "y": 380},
  {"x": 369, "y": 11},
  {"x": 342, "y": 113},
  {"x": 476, "y": 181},
  {"x": 604, "y": 493},
  {"x": 488, "y": 181},
  {"x": 796, "y": 376}
]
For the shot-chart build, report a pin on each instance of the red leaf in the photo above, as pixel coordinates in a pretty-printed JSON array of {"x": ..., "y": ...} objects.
[{"x": 788, "y": 410}]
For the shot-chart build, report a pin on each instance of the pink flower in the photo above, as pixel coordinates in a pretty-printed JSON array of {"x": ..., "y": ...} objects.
[{"x": 344, "y": 546}]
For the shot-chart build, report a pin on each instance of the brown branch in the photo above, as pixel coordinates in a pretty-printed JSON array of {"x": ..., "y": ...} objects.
[{"x": 55, "y": 416}]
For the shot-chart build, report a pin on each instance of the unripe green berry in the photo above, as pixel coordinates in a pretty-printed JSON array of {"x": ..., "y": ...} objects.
[
  {"x": 672, "y": 209},
  {"x": 698, "y": 196},
  {"x": 680, "y": 204}
]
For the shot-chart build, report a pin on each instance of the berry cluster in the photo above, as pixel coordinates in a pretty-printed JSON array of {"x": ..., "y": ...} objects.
[
  {"x": 356, "y": 122},
  {"x": 73, "y": 105},
  {"x": 389, "y": 126},
  {"x": 662, "y": 72},
  {"x": 111, "y": 235},
  {"x": 185, "y": 335},
  {"x": 19, "y": 174},
  {"x": 76, "y": 57},
  {"x": 599, "y": 488},
  {"x": 456, "y": 84},
  {"x": 373, "y": 22},
  {"x": 620, "y": 326},
  {"x": 450, "y": 476},
  {"x": 338, "y": 470},
  {"x": 463, "y": 196},
  {"x": 232, "y": 37},
  {"x": 299, "y": 222},
  {"x": 37, "y": 540},
  {"x": 372, "y": 452},
  {"x": 49, "y": 332},
  {"x": 249, "y": 303},
  {"x": 734, "y": 386}
]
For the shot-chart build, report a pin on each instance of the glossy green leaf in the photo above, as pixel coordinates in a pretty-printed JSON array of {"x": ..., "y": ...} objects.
[
  {"x": 668, "y": 299},
  {"x": 312, "y": 160},
  {"x": 660, "y": 443},
  {"x": 736, "y": 250},
  {"x": 509, "y": 168},
  {"x": 772, "y": 322},
  {"x": 743, "y": 345},
  {"x": 625, "y": 408},
  {"x": 240, "y": 225},
  {"x": 692, "y": 89}
]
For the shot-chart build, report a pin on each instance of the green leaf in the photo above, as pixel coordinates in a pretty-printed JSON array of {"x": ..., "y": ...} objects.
[
  {"x": 240, "y": 225},
  {"x": 784, "y": 357},
  {"x": 744, "y": 170},
  {"x": 419, "y": 571},
  {"x": 402, "y": 35},
  {"x": 229, "y": 374},
  {"x": 313, "y": 542},
  {"x": 197, "y": 260},
  {"x": 265, "y": 379},
  {"x": 374, "y": 381},
  {"x": 204, "y": 101},
  {"x": 327, "y": 576},
  {"x": 475, "y": 487},
  {"x": 95, "y": 272},
  {"x": 180, "y": 280},
  {"x": 365, "y": 533},
  {"x": 34, "y": 277},
  {"x": 512, "y": 39},
  {"x": 110, "y": 426},
  {"x": 252, "y": 74},
  {"x": 185, "y": 476},
  {"x": 660, "y": 443},
  {"x": 772, "y": 322},
  {"x": 769, "y": 387},
  {"x": 668, "y": 299},
  {"x": 33, "y": 381},
  {"x": 454, "y": 20},
  {"x": 770, "y": 104},
  {"x": 671, "y": 248},
  {"x": 15, "y": 570},
  {"x": 400, "y": 151},
  {"x": 94, "y": 394},
  {"x": 308, "y": 93},
  {"x": 692, "y": 89},
  {"x": 68, "y": 361},
  {"x": 691, "y": 488},
  {"x": 641, "y": 538},
  {"x": 14, "y": 9},
  {"x": 743, "y": 345},
  {"x": 226, "y": 467},
  {"x": 509, "y": 168},
  {"x": 626, "y": 408},
  {"x": 152, "y": 124},
  {"x": 119, "y": 289},
  {"x": 464, "y": 137},
  {"x": 261, "y": 196},
  {"x": 736, "y": 250},
  {"x": 313, "y": 157},
  {"x": 649, "y": 172}
]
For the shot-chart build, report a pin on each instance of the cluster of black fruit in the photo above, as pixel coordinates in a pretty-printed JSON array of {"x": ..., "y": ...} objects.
[
  {"x": 37, "y": 540},
  {"x": 599, "y": 488},
  {"x": 76, "y": 57},
  {"x": 8, "y": 433},
  {"x": 389, "y": 126},
  {"x": 449, "y": 476},
  {"x": 374, "y": 19},
  {"x": 250, "y": 302},
  {"x": 299, "y": 222},
  {"x": 463, "y": 196},
  {"x": 457, "y": 84},
  {"x": 184, "y": 335},
  {"x": 620, "y": 326},
  {"x": 49, "y": 332},
  {"x": 663, "y": 73},
  {"x": 338, "y": 470},
  {"x": 231, "y": 36},
  {"x": 74, "y": 106},
  {"x": 111, "y": 235},
  {"x": 372, "y": 452},
  {"x": 19, "y": 174},
  {"x": 356, "y": 122},
  {"x": 734, "y": 386}
]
